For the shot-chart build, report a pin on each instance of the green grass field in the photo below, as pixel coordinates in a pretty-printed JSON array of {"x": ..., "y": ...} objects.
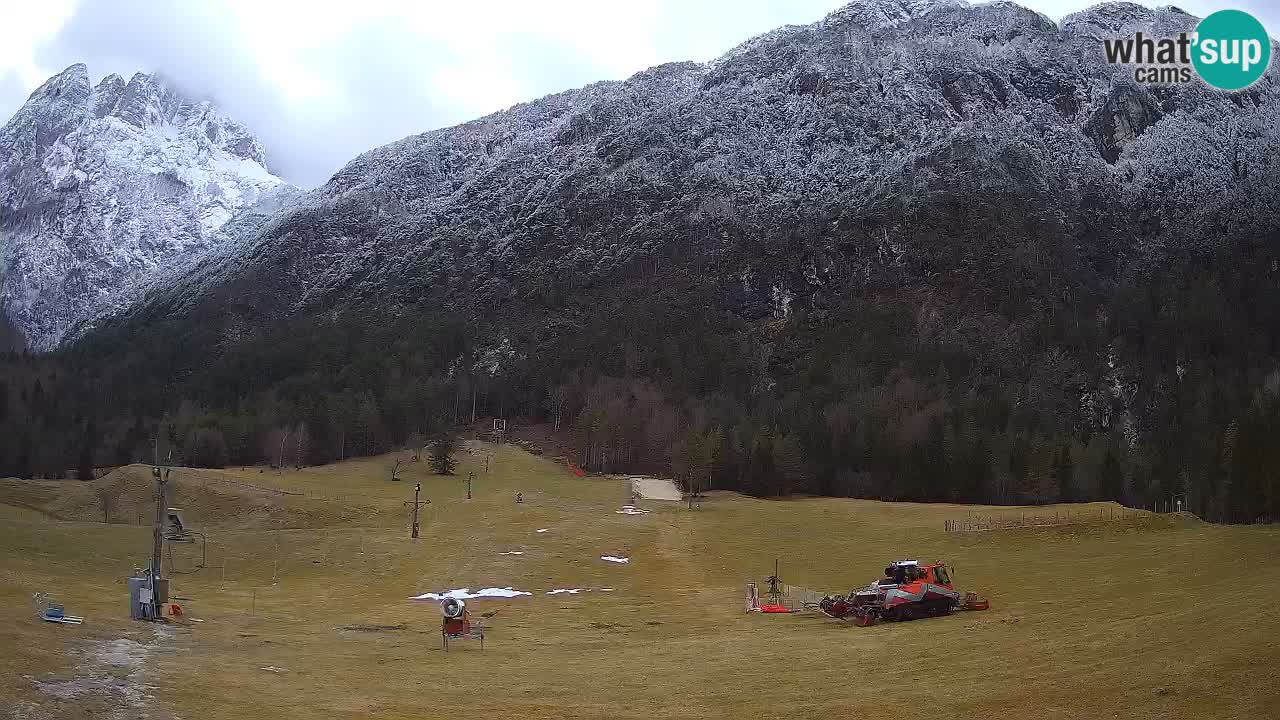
[{"x": 1154, "y": 617}]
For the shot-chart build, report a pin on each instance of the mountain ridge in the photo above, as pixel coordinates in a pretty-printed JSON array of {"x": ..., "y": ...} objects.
[{"x": 1103, "y": 114}]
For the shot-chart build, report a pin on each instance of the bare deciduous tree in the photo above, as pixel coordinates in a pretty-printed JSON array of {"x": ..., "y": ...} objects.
[
  {"x": 415, "y": 444},
  {"x": 301, "y": 445},
  {"x": 107, "y": 500},
  {"x": 274, "y": 444},
  {"x": 557, "y": 398}
]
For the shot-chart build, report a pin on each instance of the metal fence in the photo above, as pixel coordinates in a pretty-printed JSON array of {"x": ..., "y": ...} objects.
[
  {"x": 979, "y": 522},
  {"x": 790, "y": 597},
  {"x": 260, "y": 488}
]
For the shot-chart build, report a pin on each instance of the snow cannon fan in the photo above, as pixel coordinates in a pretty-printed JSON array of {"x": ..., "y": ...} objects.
[{"x": 452, "y": 608}]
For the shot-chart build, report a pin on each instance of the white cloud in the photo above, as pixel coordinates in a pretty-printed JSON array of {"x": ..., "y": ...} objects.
[{"x": 29, "y": 25}]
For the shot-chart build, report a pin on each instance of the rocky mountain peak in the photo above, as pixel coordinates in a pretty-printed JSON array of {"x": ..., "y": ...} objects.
[
  {"x": 885, "y": 13},
  {"x": 106, "y": 95},
  {"x": 1113, "y": 19},
  {"x": 49, "y": 113},
  {"x": 101, "y": 185},
  {"x": 145, "y": 102},
  {"x": 74, "y": 81}
]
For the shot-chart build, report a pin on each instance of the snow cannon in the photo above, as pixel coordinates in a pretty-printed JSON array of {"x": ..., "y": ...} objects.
[
  {"x": 456, "y": 623},
  {"x": 453, "y": 608}
]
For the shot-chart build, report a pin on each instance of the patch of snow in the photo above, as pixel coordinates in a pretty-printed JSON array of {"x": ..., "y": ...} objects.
[
  {"x": 512, "y": 552},
  {"x": 543, "y": 530},
  {"x": 564, "y": 591},
  {"x": 122, "y": 653},
  {"x": 113, "y": 671},
  {"x": 631, "y": 510},
  {"x": 466, "y": 594},
  {"x": 782, "y": 297},
  {"x": 615, "y": 559},
  {"x": 494, "y": 359}
]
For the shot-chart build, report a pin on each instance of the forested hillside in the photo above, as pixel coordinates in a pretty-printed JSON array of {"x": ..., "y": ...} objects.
[{"x": 917, "y": 251}]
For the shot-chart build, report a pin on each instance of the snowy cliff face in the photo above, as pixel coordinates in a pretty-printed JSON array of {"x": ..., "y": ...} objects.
[{"x": 101, "y": 186}]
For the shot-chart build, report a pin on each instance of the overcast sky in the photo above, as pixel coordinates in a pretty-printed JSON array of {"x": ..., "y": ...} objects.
[{"x": 322, "y": 81}]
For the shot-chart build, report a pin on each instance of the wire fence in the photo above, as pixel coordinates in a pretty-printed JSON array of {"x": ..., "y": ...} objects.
[
  {"x": 308, "y": 493},
  {"x": 260, "y": 488},
  {"x": 1210, "y": 511},
  {"x": 980, "y": 522}
]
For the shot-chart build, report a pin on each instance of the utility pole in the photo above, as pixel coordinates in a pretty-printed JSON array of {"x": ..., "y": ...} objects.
[
  {"x": 775, "y": 584},
  {"x": 417, "y": 488},
  {"x": 162, "y": 480}
]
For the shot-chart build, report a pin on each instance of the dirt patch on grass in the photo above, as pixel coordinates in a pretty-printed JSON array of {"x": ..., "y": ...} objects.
[
  {"x": 109, "y": 681},
  {"x": 651, "y": 488},
  {"x": 371, "y": 628}
]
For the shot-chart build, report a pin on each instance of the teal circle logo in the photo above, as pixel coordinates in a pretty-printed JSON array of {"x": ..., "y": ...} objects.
[{"x": 1232, "y": 49}]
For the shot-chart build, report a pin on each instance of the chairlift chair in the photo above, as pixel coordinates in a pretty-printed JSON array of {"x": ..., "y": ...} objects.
[{"x": 50, "y": 611}]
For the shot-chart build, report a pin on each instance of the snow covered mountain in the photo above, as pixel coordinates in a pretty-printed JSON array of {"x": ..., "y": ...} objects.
[
  {"x": 804, "y": 156},
  {"x": 101, "y": 186},
  {"x": 946, "y": 155}
]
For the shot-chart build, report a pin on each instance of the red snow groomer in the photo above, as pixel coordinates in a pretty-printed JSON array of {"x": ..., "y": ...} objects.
[{"x": 908, "y": 590}]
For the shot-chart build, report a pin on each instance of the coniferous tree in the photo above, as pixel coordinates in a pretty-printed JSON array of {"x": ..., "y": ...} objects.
[
  {"x": 442, "y": 462},
  {"x": 24, "y": 466},
  {"x": 1064, "y": 470},
  {"x": 1111, "y": 476},
  {"x": 84, "y": 468}
]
